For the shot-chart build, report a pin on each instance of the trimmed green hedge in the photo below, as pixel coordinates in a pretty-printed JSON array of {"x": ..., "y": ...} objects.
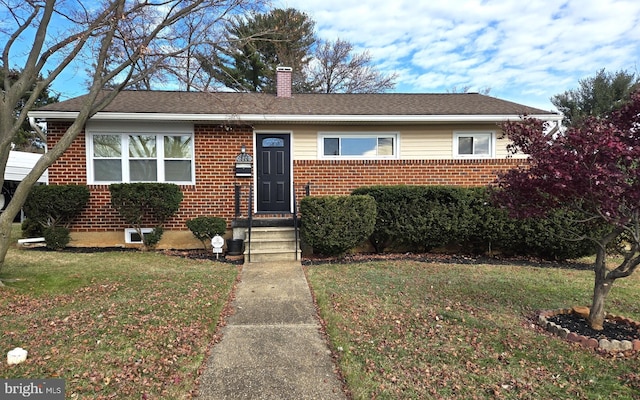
[
  {"x": 55, "y": 205},
  {"x": 50, "y": 209},
  {"x": 56, "y": 237},
  {"x": 420, "y": 218},
  {"x": 333, "y": 225},
  {"x": 141, "y": 203},
  {"x": 205, "y": 228}
]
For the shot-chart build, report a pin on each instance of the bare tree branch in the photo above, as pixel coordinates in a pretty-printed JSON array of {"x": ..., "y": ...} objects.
[
  {"x": 337, "y": 70},
  {"x": 124, "y": 42}
]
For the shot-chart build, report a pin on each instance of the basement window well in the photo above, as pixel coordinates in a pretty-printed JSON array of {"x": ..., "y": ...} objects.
[{"x": 131, "y": 236}]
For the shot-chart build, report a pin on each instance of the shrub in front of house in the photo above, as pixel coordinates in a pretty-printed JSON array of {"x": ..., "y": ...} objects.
[
  {"x": 146, "y": 203},
  {"x": 55, "y": 205},
  {"x": 151, "y": 239},
  {"x": 553, "y": 237},
  {"x": 205, "y": 228},
  {"x": 31, "y": 229},
  {"x": 550, "y": 237},
  {"x": 56, "y": 237},
  {"x": 51, "y": 207},
  {"x": 332, "y": 225},
  {"x": 420, "y": 218},
  {"x": 490, "y": 228}
]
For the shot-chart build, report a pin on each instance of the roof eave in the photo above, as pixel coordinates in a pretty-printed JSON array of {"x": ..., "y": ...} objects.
[{"x": 289, "y": 118}]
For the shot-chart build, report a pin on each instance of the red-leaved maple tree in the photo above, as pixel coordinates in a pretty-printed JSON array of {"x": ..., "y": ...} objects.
[{"x": 593, "y": 168}]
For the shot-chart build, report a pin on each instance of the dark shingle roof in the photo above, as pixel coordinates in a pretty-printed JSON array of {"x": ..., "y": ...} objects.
[{"x": 393, "y": 104}]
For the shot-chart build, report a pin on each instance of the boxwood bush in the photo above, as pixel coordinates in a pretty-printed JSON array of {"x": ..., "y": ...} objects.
[
  {"x": 146, "y": 203},
  {"x": 205, "y": 228},
  {"x": 420, "y": 218},
  {"x": 56, "y": 237},
  {"x": 55, "y": 205},
  {"x": 50, "y": 209},
  {"x": 332, "y": 225}
]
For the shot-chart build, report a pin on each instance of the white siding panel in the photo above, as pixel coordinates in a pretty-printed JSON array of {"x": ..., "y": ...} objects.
[
  {"x": 20, "y": 164},
  {"x": 425, "y": 144},
  {"x": 501, "y": 149},
  {"x": 434, "y": 142},
  {"x": 305, "y": 144}
]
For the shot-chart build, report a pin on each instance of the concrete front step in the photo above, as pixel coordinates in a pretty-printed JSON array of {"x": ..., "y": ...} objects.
[
  {"x": 272, "y": 233},
  {"x": 271, "y": 244},
  {"x": 261, "y": 256}
]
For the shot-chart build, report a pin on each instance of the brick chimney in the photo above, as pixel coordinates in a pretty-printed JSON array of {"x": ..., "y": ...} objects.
[{"x": 283, "y": 81}]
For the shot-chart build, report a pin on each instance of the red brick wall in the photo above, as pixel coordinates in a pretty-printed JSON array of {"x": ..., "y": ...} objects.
[
  {"x": 212, "y": 195},
  {"x": 338, "y": 177}
]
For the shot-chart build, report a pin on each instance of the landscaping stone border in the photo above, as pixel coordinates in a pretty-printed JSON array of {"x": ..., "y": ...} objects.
[{"x": 585, "y": 341}]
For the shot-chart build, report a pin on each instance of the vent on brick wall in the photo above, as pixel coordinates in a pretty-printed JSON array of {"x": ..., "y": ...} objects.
[{"x": 131, "y": 236}]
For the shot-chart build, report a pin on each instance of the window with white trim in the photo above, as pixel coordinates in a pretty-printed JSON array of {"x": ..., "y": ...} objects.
[
  {"x": 361, "y": 145},
  {"x": 474, "y": 144},
  {"x": 140, "y": 157}
]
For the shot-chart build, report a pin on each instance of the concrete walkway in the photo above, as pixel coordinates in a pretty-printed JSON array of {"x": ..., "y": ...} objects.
[{"x": 271, "y": 347}]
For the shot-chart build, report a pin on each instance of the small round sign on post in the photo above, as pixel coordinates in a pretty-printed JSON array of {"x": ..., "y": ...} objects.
[{"x": 216, "y": 244}]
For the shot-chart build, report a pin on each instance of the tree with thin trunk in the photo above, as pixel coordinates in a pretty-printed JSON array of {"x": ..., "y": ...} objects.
[
  {"x": 337, "y": 69},
  {"x": 595, "y": 96},
  {"x": 27, "y": 139},
  {"x": 258, "y": 43},
  {"x": 123, "y": 42},
  {"x": 594, "y": 168}
]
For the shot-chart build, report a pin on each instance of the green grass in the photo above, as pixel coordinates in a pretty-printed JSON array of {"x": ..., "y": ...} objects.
[
  {"x": 405, "y": 329},
  {"x": 111, "y": 324}
]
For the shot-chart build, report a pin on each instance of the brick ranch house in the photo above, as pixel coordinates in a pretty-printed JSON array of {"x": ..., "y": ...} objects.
[{"x": 294, "y": 145}]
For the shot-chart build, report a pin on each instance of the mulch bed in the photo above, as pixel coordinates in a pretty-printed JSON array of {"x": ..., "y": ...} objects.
[
  {"x": 613, "y": 330},
  {"x": 206, "y": 255}
]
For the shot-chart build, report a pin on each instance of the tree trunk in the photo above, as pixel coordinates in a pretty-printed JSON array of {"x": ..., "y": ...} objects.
[
  {"x": 6, "y": 226},
  {"x": 601, "y": 289}
]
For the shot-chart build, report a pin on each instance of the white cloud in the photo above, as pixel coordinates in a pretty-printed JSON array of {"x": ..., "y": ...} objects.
[{"x": 523, "y": 51}]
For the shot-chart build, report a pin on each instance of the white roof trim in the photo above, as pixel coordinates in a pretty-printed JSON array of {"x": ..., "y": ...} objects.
[{"x": 120, "y": 116}]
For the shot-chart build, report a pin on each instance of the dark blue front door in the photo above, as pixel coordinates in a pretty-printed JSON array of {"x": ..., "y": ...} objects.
[{"x": 273, "y": 172}]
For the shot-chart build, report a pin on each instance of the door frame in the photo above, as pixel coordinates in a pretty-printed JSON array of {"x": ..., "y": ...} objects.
[{"x": 256, "y": 164}]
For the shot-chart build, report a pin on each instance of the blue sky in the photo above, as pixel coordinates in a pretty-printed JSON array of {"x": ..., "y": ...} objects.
[{"x": 524, "y": 51}]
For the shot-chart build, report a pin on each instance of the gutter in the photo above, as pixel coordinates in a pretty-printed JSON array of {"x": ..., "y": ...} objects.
[{"x": 282, "y": 118}]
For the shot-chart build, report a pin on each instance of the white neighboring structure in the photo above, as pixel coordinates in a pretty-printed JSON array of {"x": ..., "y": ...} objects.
[{"x": 19, "y": 165}]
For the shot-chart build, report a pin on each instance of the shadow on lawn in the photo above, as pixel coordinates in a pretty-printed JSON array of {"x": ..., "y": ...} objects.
[{"x": 446, "y": 259}]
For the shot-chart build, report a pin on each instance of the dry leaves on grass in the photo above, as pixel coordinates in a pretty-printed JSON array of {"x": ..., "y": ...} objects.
[
  {"x": 115, "y": 338},
  {"x": 410, "y": 330}
]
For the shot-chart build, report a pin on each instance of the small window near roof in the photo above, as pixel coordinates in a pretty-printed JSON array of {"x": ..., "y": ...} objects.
[{"x": 473, "y": 144}]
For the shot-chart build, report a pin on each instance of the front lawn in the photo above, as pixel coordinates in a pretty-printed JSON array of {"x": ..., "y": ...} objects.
[
  {"x": 112, "y": 324},
  {"x": 408, "y": 329}
]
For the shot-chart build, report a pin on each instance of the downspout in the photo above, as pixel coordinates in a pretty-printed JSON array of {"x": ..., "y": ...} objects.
[
  {"x": 36, "y": 128},
  {"x": 43, "y": 137},
  {"x": 557, "y": 127}
]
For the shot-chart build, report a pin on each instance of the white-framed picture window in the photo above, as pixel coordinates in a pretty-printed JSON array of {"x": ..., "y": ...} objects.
[
  {"x": 358, "y": 145},
  {"x": 474, "y": 144},
  {"x": 124, "y": 157}
]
